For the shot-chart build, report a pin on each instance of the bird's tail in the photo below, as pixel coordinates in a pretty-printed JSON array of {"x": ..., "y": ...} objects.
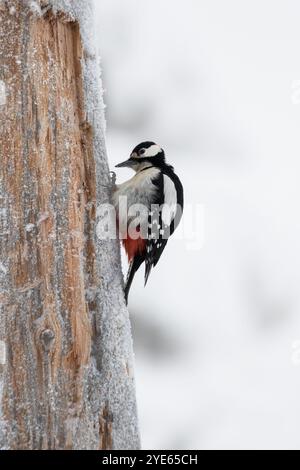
[
  {"x": 148, "y": 267},
  {"x": 133, "y": 267}
]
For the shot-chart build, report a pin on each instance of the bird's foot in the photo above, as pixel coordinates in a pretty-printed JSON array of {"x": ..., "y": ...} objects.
[{"x": 113, "y": 178}]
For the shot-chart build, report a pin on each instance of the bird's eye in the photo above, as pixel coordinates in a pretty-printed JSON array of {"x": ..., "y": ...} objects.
[{"x": 142, "y": 151}]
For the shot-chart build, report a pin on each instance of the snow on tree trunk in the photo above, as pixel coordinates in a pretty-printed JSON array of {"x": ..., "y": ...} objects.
[{"x": 66, "y": 362}]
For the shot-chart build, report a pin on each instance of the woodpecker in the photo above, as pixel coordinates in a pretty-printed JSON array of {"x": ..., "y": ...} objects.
[{"x": 157, "y": 188}]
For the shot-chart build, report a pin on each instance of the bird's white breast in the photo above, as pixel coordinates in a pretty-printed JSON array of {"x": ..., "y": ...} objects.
[{"x": 138, "y": 190}]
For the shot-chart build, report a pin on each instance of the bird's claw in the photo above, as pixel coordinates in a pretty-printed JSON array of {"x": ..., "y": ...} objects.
[{"x": 113, "y": 178}]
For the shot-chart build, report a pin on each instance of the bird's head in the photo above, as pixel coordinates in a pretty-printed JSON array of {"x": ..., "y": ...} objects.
[{"x": 144, "y": 155}]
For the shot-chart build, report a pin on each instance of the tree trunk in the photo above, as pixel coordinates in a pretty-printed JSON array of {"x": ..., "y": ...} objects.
[{"x": 66, "y": 379}]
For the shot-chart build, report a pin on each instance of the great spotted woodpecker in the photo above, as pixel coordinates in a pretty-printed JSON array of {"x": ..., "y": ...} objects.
[{"x": 156, "y": 188}]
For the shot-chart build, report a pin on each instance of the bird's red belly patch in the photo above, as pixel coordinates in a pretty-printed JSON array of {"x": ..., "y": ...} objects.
[{"x": 134, "y": 247}]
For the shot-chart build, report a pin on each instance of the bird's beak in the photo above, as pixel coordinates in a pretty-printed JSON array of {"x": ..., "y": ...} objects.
[{"x": 128, "y": 163}]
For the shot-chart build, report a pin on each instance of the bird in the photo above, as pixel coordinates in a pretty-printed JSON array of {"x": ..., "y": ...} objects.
[{"x": 156, "y": 189}]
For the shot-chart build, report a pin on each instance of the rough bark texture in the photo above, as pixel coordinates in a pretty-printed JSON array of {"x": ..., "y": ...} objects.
[{"x": 67, "y": 378}]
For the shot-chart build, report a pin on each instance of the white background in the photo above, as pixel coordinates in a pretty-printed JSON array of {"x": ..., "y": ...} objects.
[{"x": 217, "y": 330}]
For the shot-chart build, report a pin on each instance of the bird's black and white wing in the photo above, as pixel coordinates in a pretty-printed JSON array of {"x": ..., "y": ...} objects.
[{"x": 163, "y": 218}]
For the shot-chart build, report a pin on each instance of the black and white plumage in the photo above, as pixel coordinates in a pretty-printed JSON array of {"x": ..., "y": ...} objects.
[{"x": 156, "y": 186}]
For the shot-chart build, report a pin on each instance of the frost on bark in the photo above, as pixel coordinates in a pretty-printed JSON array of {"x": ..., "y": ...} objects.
[{"x": 66, "y": 379}]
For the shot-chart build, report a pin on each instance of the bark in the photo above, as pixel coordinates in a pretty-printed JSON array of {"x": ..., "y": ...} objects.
[{"x": 66, "y": 378}]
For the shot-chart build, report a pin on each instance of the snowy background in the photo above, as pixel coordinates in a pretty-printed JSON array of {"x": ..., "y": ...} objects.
[{"x": 217, "y": 331}]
